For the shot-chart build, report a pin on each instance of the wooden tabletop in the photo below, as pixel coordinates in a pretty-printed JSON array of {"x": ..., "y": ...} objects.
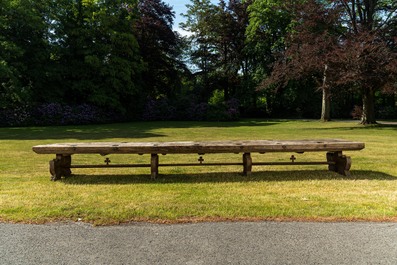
[{"x": 203, "y": 147}]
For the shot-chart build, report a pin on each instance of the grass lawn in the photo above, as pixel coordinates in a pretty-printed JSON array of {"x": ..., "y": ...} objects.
[{"x": 189, "y": 194}]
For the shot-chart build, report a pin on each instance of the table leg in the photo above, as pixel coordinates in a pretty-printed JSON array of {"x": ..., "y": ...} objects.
[
  {"x": 154, "y": 165},
  {"x": 341, "y": 163},
  {"x": 60, "y": 166},
  {"x": 247, "y": 164}
]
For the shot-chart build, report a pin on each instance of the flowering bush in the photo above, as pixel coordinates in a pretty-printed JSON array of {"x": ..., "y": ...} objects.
[
  {"x": 161, "y": 109},
  {"x": 232, "y": 108},
  {"x": 18, "y": 116},
  {"x": 56, "y": 114},
  {"x": 158, "y": 110},
  {"x": 188, "y": 109}
]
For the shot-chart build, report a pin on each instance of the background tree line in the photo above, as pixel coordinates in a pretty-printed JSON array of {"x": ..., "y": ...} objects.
[{"x": 85, "y": 61}]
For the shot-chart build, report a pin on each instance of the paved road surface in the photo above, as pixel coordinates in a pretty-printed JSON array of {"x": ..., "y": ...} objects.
[{"x": 204, "y": 243}]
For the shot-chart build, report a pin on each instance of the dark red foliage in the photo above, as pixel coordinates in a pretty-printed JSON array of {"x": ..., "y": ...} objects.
[
  {"x": 310, "y": 46},
  {"x": 155, "y": 23},
  {"x": 365, "y": 61},
  {"x": 343, "y": 42},
  {"x": 160, "y": 48}
]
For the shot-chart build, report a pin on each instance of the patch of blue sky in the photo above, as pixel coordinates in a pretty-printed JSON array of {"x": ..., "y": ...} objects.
[{"x": 179, "y": 7}]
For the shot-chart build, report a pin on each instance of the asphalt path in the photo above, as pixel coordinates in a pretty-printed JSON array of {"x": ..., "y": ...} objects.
[{"x": 201, "y": 243}]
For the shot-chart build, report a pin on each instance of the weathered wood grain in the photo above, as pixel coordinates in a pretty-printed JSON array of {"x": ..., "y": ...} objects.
[
  {"x": 205, "y": 147},
  {"x": 336, "y": 161}
]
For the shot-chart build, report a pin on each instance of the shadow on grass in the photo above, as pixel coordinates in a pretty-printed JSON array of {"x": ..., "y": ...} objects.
[
  {"x": 131, "y": 130},
  {"x": 268, "y": 176},
  {"x": 357, "y": 126}
]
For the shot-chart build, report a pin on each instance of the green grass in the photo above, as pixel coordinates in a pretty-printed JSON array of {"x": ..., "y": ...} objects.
[{"x": 189, "y": 194}]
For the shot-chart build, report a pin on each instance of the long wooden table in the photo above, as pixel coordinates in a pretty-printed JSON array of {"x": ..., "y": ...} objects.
[{"x": 62, "y": 164}]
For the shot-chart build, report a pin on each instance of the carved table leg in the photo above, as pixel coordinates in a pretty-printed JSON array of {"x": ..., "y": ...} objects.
[
  {"x": 154, "y": 165},
  {"x": 341, "y": 163},
  {"x": 60, "y": 166},
  {"x": 247, "y": 164}
]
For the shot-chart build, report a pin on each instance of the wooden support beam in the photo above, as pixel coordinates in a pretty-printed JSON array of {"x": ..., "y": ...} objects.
[
  {"x": 247, "y": 164},
  {"x": 339, "y": 163},
  {"x": 154, "y": 165},
  {"x": 60, "y": 166}
]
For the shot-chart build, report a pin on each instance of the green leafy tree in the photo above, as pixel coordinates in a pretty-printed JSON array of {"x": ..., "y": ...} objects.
[
  {"x": 218, "y": 45},
  {"x": 269, "y": 23},
  {"x": 96, "y": 53},
  {"x": 309, "y": 50},
  {"x": 203, "y": 55},
  {"x": 24, "y": 50},
  {"x": 229, "y": 26}
]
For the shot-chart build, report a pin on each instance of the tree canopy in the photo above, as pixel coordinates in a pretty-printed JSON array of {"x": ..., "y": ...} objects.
[
  {"x": 342, "y": 45},
  {"x": 122, "y": 60}
]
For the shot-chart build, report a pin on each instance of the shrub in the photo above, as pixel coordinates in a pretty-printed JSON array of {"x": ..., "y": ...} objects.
[
  {"x": 233, "y": 109},
  {"x": 57, "y": 114},
  {"x": 188, "y": 109},
  {"x": 197, "y": 111},
  {"x": 224, "y": 111},
  {"x": 17, "y": 116},
  {"x": 160, "y": 109},
  {"x": 387, "y": 112},
  {"x": 357, "y": 112}
]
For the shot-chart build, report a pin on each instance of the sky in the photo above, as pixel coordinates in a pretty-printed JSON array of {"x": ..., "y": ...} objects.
[{"x": 179, "y": 6}]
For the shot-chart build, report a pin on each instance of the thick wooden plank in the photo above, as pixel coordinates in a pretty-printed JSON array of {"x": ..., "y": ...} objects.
[
  {"x": 259, "y": 146},
  {"x": 337, "y": 162}
]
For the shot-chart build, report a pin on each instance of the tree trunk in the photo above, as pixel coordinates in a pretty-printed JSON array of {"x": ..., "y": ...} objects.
[
  {"x": 326, "y": 105},
  {"x": 326, "y": 102},
  {"x": 368, "y": 107}
]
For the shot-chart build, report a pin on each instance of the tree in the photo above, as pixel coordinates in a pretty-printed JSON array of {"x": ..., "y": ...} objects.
[
  {"x": 218, "y": 45},
  {"x": 366, "y": 65},
  {"x": 160, "y": 48},
  {"x": 96, "y": 53},
  {"x": 341, "y": 44},
  {"x": 229, "y": 26},
  {"x": 202, "y": 53},
  {"x": 24, "y": 50},
  {"x": 309, "y": 49},
  {"x": 269, "y": 22},
  {"x": 370, "y": 63}
]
